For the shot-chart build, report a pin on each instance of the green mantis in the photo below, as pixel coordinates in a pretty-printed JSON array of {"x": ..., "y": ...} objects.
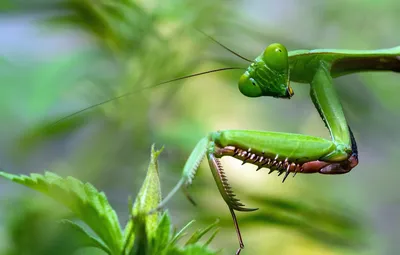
[{"x": 270, "y": 75}]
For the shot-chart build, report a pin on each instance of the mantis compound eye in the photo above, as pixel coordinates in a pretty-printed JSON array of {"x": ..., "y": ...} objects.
[
  {"x": 275, "y": 56},
  {"x": 249, "y": 87}
]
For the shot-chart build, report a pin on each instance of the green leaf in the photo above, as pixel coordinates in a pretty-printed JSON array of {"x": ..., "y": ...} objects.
[
  {"x": 85, "y": 238},
  {"x": 213, "y": 235},
  {"x": 162, "y": 234},
  {"x": 83, "y": 200},
  {"x": 147, "y": 199},
  {"x": 181, "y": 233},
  {"x": 200, "y": 233},
  {"x": 141, "y": 244}
]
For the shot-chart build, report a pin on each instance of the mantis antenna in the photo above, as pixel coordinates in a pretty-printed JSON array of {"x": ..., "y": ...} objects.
[
  {"x": 141, "y": 89},
  {"x": 161, "y": 83},
  {"x": 223, "y": 46}
]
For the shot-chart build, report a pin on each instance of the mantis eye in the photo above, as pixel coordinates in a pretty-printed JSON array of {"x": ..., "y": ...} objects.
[
  {"x": 249, "y": 87},
  {"x": 275, "y": 56}
]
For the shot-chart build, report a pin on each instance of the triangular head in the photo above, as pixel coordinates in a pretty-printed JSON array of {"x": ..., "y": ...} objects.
[{"x": 268, "y": 75}]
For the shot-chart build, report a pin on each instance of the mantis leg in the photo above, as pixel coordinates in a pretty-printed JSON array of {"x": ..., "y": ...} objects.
[{"x": 281, "y": 152}]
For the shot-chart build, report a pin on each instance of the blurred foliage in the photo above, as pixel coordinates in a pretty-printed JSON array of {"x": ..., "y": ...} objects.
[
  {"x": 109, "y": 48},
  {"x": 144, "y": 233},
  {"x": 323, "y": 223}
]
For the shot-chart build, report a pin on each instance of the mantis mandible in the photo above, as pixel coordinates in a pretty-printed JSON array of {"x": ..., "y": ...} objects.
[{"x": 270, "y": 75}]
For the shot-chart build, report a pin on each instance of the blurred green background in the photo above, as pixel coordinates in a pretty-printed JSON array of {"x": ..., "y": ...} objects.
[{"x": 59, "y": 56}]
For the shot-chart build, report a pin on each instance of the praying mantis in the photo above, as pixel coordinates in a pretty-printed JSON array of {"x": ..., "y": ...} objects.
[{"x": 270, "y": 75}]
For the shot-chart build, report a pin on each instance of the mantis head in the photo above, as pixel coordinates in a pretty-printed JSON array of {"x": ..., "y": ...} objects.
[{"x": 268, "y": 75}]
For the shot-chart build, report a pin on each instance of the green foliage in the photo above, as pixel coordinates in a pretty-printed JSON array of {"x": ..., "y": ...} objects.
[
  {"x": 163, "y": 234},
  {"x": 324, "y": 223},
  {"x": 34, "y": 227},
  {"x": 149, "y": 196},
  {"x": 85, "y": 238},
  {"x": 82, "y": 199},
  {"x": 144, "y": 234},
  {"x": 201, "y": 232}
]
